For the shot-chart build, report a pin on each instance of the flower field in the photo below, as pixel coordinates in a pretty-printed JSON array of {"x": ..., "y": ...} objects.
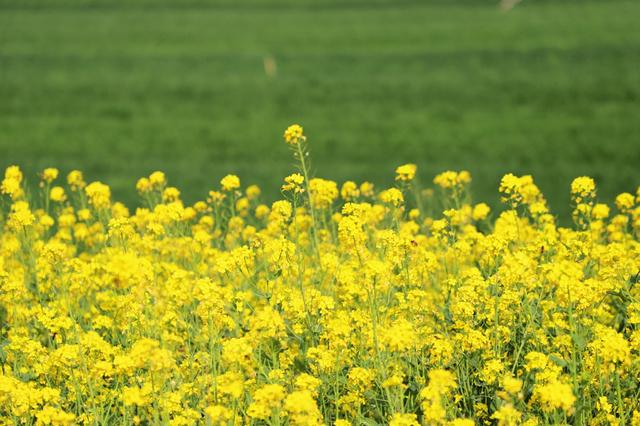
[{"x": 337, "y": 304}]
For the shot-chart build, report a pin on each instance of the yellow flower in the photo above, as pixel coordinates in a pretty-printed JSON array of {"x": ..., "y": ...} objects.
[
  {"x": 12, "y": 188},
  {"x": 554, "y": 395},
  {"x": 600, "y": 211},
  {"x": 266, "y": 400},
  {"x": 157, "y": 179},
  {"x": 583, "y": 189},
  {"x": 399, "y": 419},
  {"x": 143, "y": 185},
  {"x": 349, "y": 191},
  {"x": 294, "y": 183},
  {"x": 507, "y": 415},
  {"x": 361, "y": 378},
  {"x": 461, "y": 422},
  {"x": 633, "y": 312},
  {"x": 366, "y": 189},
  {"x": 307, "y": 382},
  {"x": 452, "y": 180},
  {"x": 99, "y": 195},
  {"x": 491, "y": 371},
  {"x": 522, "y": 190},
  {"x": 84, "y": 214},
  {"x": 293, "y": 314},
  {"x": 511, "y": 384},
  {"x": 294, "y": 134},
  {"x": 12, "y": 182},
  {"x": 400, "y": 336},
  {"x": 135, "y": 395},
  {"x": 21, "y": 215},
  {"x": 393, "y": 381},
  {"x": 603, "y": 404},
  {"x": 216, "y": 197},
  {"x": 609, "y": 346},
  {"x": 535, "y": 360},
  {"x": 230, "y": 183},
  {"x": 625, "y": 202},
  {"x": 302, "y": 409},
  {"x": 218, "y": 414},
  {"x": 46, "y": 221},
  {"x": 481, "y": 211},
  {"x": 392, "y": 196},
  {"x": 253, "y": 192},
  {"x": 57, "y": 194},
  {"x": 75, "y": 180},
  {"x": 323, "y": 192},
  {"x": 170, "y": 194},
  {"x": 14, "y": 173},
  {"x": 54, "y": 416},
  {"x": 406, "y": 172},
  {"x": 262, "y": 212},
  {"x": 441, "y": 382},
  {"x": 49, "y": 175}
]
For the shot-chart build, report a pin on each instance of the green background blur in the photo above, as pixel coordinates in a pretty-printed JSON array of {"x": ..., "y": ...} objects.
[{"x": 121, "y": 88}]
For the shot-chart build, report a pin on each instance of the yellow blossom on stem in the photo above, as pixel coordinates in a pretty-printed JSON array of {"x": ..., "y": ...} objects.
[
  {"x": 406, "y": 172},
  {"x": 230, "y": 183},
  {"x": 294, "y": 134}
]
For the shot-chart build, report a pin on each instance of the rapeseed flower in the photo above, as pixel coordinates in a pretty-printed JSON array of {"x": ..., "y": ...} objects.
[
  {"x": 266, "y": 400},
  {"x": 340, "y": 305},
  {"x": 49, "y": 174},
  {"x": 406, "y": 172},
  {"x": 294, "y": 134},
  {"x": 230, "y": 183},
  {"x": 294, "y": 183}
]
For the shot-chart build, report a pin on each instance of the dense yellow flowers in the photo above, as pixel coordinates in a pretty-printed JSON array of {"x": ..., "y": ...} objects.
[
  {"x": 266, "y": 400},
  {"x": 338, "y": 304}
]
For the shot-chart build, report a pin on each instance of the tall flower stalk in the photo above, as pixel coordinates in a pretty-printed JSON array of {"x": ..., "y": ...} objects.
[{"x": 297, "y": 141}]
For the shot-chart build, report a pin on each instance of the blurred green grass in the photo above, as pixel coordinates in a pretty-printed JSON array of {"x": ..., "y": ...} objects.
[{"x": 119, "y": 89}]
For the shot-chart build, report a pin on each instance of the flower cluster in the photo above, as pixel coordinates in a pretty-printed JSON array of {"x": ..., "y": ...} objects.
[{"x": 342, "y": 305}]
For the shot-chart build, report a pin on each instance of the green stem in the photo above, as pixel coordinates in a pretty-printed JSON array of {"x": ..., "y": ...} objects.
[{"x": 305, "y": 172}]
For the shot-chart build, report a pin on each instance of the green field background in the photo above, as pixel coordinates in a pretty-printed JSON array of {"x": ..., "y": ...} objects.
[{"x": 119, "y": 89}]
